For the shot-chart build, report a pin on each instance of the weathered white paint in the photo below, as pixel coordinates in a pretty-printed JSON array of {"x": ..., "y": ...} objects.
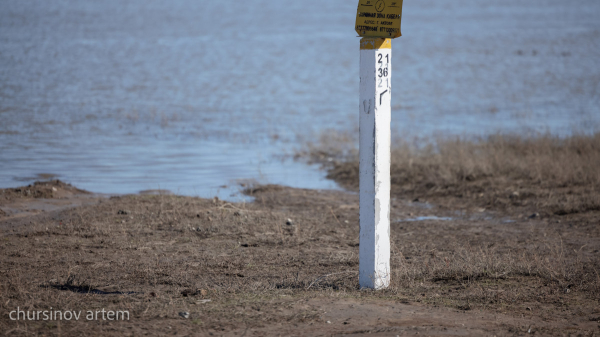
[{"x": 375, "y": 118}]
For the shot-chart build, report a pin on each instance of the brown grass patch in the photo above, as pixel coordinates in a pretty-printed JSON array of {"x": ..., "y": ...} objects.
[
  {"x": 156, "y": 256},
  {"x": 547, "y": 174}
]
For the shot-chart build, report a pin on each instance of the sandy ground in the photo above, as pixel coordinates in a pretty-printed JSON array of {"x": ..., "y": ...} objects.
[{"x": 286, "y": 264}]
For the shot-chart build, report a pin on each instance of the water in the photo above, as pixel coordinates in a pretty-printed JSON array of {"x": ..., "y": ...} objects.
[
  {"x": 425, "y": 218},
  {"x": 198, "y": 96}
]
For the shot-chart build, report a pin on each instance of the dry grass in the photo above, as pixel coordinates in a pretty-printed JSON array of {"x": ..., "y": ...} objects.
[
  {"x": 554, "y": 175},
  {"x": 509, "y": 175},
  {"x": 159, "y": 255}
]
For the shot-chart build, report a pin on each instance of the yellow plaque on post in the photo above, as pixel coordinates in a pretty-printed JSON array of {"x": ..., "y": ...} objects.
[{"x": 379, "y": 18}]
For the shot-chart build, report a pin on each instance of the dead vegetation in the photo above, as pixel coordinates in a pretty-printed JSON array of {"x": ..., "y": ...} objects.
[
  {"x": 159, "y": 255},
  {"x": 549, "y": 174}
]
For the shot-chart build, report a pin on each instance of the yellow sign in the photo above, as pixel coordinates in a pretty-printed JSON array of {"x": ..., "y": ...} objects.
[{"x": 379, "y": 18}]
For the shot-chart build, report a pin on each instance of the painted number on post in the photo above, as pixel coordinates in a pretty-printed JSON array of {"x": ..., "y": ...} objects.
[{"x": 383, "y": 75}]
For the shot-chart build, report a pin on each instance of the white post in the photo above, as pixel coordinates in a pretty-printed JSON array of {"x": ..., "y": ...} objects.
[{"x": 375, "y": 118}]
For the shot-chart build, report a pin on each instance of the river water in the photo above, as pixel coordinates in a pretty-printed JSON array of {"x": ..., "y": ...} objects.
[{"x": 197, "y": 96}]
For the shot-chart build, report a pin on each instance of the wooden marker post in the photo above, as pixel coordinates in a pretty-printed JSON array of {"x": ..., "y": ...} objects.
[
  {"x": 377, "y": 21},
  {"x": 375, "y": 118}
]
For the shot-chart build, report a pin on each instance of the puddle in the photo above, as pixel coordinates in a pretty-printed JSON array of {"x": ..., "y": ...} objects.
[
  {"x": 26, "y": 207},
  {"x": 425, "y": 218},
  {"x": 155, "y": 192},
  {"x": 419, "y": 204}
]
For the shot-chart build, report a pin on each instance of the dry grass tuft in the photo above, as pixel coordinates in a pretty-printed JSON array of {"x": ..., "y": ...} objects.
[{"x": 557, "y": 175}]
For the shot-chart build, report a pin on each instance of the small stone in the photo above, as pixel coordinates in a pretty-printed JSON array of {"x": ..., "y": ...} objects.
[
  {"x": 54, "y": 189},
  {"x": 184, "y": 314},
  {"x": 290, "y": 228},
  {"x": 534, "y": 215},
  {"x": 346, "y": 221},
  {"x": 328, "y": 322}
]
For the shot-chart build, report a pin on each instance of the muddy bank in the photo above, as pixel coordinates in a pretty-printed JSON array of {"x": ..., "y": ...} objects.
[
  {"x": 288, "y": 263},
  {"x": 42, "y": 197},
  {"x": 52, "y": 189}
]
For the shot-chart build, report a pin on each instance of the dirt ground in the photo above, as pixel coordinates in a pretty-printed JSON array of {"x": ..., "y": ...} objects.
[{"x": 463, "y": 263}]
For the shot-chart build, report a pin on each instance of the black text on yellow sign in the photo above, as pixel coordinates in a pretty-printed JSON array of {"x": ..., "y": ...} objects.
[{"x": 379, "y": 18}]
